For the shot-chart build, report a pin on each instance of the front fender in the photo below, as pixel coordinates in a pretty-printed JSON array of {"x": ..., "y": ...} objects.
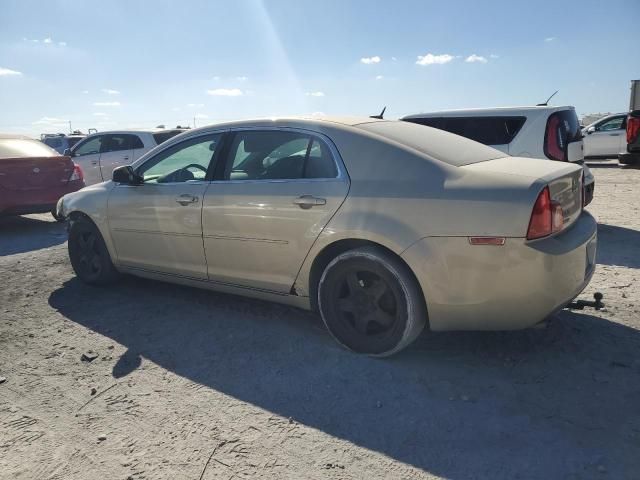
[{"x": 92, "y": 202}]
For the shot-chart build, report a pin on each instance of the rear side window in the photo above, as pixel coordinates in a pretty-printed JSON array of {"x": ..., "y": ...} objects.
[
  {"x": 486, "y": 130},
  {"x": 161, "y": 137},
  {"x": 119, "y": 142},
  {"x": 562, "y": 128},
  {"x": 278, "y": 155},
  {"x": 24, "y": 148}
]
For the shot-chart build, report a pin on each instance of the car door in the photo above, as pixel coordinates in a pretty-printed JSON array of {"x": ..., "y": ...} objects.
[
  {"x": 156, "y": 226},
  {"x": 117, "y": 150},
  {"x": 606, "y": 139},
  {"x": 86, "y": 154},
  {"x": 270, "y": 200}
]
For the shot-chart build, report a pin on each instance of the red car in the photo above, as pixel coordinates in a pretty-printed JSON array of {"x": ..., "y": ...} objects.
[{"x": 33, "y": 176}]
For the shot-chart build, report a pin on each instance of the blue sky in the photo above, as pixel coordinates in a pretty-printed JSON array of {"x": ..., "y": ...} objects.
[{"x": 118, "y": 64}]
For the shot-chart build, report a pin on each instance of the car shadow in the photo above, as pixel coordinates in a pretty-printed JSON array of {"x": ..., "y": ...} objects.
[
  {"x": 21, "y": 234},
  {"x": 618, "y": 246},
  {"x": 560, "y": 402}
]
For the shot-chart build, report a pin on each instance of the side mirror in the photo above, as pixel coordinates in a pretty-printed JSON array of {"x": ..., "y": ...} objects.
[
  {"x": 126, "y": 175},
  {"x": 590, "y": 130},
  {"x": 67, "y": 152}
]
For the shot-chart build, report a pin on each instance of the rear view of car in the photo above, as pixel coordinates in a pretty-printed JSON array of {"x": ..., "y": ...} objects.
[
  {"x": 536, "y": 132},
  {"x": 33, "y": 176},
  {"x": 632, "y": 154}
]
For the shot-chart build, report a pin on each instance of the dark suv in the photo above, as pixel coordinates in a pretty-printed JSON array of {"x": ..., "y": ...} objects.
[{"x": 60, "y": 141}]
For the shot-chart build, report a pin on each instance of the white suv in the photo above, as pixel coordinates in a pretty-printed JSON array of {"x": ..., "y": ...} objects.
[
  {"x": 606, "y": 138},
  {"x": 100, "y": 153},
  {"x": 538, "y": 132}
]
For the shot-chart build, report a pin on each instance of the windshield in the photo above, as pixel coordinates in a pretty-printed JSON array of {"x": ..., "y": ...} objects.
[
  {"x": 440, "y": 145},
  {"x": 23, "y": 148}
]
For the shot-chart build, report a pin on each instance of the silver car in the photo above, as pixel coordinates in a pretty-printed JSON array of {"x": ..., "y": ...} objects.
[{"x": 383, "y": 227}]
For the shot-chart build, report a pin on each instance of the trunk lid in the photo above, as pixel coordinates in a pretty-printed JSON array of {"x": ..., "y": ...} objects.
[
  {"x": 563, "y": 179},
  {"x": 34, "y": 173}
]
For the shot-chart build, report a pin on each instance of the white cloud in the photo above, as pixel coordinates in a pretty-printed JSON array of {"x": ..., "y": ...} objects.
[
  {"x": 431, "y": 59},
  {"x": 493, "y": 55},
  {"x": 47, "y": 40},
  {"x": 110, "y": 91},
  {"x": 62, "y": 44},
  {"x": 242, "y": 79},
  {"x": 473, "y": 58},
  {"x": 53, "y": 121},
  {"x": 216, "y": 78},
  {"x": 394, "y": 58},
  {"x": 7, "y": 72},
  {"x": 85, "y": 91},
  {"x": 195, "y": 105},
  {"x": 225, "y": 92},
  {"x": 201, "y": 115},
  {"x": 35, "y": 41},
  {"x": 549, "y": 39},
  {"x": 106, "y": 104},
  {"x": 315, "y": 94},
  {"x": 379, "y": 77},
  {"x": 318, "y": 114},
  {"x": 370, "y": 60},
  {"x": 99, "y": 114}
]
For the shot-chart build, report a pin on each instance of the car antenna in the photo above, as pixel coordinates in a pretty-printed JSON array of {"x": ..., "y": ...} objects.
[
  {"x": 547, "y": 102},
  {"x": 379, "y": 117}
]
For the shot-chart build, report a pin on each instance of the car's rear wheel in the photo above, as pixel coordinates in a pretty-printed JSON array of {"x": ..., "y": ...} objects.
[
  {"x": 88, "y": 253},
  {"x": 370, "y": 302}
]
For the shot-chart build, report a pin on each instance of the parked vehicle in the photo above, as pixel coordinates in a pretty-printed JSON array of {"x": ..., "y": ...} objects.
[
  {"x": 606, "y": 137},
  {"x": 551, "y": 133},
  {"x": 60, "y": 141},
  {"x": 631, "y": 154},
  {"x": 373, "y": 223},
  {"x": 33, "y": 176},
  {"x": 100, "y": 153}
]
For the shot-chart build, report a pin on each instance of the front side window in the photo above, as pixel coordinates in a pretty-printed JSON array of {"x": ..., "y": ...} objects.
[
  {"x": 187, "y": 161},
  {"x": 278, "y": 155},
  {"x": 613, "y": 124},
  {"x": 90, "y": 146}
]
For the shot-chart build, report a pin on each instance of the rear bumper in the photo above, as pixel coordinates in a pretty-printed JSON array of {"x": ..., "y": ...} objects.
[
  {"x": 20, "y": 202},
  {"x": 629, "y": 158},
  {"x": 505, "y": 287}
]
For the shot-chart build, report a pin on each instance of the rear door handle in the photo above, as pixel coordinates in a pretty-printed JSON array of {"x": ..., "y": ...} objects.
[
  {"x": 614, "y": 134},
  {"x": 94, "y": 162},
  {"x": 126, "y": 158},
  {"x": 185, "y": 199},
  {"x": 308, "y": 201}
]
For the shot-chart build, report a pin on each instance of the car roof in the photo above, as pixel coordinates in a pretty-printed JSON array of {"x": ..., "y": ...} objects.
[
  {"x": 14, "y": 136},
  {"x": 471, "y": 112}
]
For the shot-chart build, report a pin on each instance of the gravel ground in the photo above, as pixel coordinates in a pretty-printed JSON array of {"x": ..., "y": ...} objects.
[{"x": 189, "y": 384}]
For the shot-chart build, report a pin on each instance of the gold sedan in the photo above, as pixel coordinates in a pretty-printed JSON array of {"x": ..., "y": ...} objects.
[{"x": 383, "y": 227}]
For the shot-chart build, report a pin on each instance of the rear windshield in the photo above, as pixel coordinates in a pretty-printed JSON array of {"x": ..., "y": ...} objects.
[
  {"x": 166, "y": 135},
  {"x": 23, "y": 148},
  {"x": 487, "y": 130},
  {"x": 438, "y": 144}
]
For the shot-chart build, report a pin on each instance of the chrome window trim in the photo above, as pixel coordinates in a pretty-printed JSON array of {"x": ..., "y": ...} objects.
[{"x": 342, "y": 176}]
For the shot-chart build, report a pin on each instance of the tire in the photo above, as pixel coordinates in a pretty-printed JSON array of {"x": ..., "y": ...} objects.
[
  {"x": 88, "y": 253},
  {"x": 59, "y": 218},
  {"x": 370, "y": 302}
]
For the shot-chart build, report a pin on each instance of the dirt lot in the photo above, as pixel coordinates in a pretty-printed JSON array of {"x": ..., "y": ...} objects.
[{"x": 188, "y": 384}]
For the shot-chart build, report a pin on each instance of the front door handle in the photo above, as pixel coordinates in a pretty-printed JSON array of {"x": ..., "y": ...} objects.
[
  {"x": 126, "y": 157},
  {"x": 185, "y": 199},
  {"x": 308, "y": 201}
]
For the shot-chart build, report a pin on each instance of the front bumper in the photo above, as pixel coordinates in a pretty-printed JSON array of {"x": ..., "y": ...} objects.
[{"x": 506, "y": 287}]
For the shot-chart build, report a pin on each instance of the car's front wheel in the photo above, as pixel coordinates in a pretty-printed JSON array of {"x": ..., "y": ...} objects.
[
  {"x": 370, "y": 302},
  {"x": 88, "y": 253}
]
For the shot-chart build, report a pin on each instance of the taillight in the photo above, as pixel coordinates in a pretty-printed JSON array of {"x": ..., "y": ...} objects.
[
  {"x": 633, "y": 129},
  {"x": 77, "y": 173},
  {"x": 547, "y": 216},
  {"x": 555, "y": 142}
]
